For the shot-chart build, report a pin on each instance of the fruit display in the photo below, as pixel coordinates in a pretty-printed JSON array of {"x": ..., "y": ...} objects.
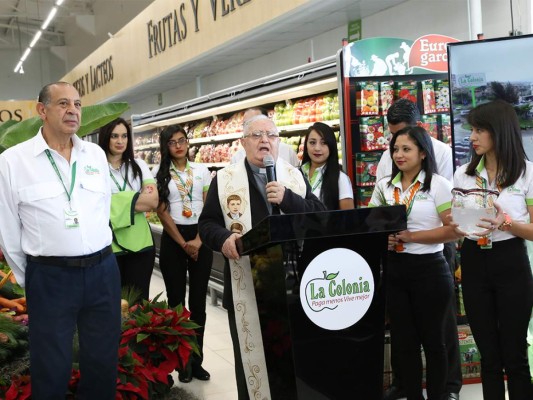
[
  {"x": 219, "y": 153},
  {"x": 206, "y": 147},
  {"x": 307, "y": 110}
]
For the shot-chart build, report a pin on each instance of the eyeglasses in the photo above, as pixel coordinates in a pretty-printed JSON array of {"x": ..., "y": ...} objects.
[
  {"x": 119, "y": 135},
  {"x": 176, "y": 143},
  {"x": 256, "y": 135}
]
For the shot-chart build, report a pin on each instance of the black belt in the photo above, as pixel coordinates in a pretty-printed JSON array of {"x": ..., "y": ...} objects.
[{"x": 78, "y": 261}]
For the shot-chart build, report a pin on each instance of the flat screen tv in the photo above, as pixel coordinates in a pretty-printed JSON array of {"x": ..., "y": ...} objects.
[{"x": 484, "y": 70}]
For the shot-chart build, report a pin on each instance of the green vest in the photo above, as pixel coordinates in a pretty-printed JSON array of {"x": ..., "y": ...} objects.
[{"x": 131, "y": 231}]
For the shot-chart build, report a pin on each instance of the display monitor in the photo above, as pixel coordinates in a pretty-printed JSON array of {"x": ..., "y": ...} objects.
[{"x": 484, "y": 70}]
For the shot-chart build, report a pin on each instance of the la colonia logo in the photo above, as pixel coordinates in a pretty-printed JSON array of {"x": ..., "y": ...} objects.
[
  {"x": 336, "y": 289},
  {"x": 327, "y": 293}
]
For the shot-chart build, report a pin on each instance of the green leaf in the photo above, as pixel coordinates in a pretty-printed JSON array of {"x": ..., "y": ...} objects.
[
  {"x": 142, "y": 336},
  {"x": 331, "y": 276},
  {"x": 92, "y": 118},
  {"x": 98, "y": 115}
]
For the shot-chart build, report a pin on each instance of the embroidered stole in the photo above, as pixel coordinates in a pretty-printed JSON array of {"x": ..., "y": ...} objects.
[{"x": 233, "y": 184}]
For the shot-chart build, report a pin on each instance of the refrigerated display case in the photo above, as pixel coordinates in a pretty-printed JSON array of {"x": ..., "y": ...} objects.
[
  {"x": 295, "y": 99},
  {"x": 375, "y": 72}
]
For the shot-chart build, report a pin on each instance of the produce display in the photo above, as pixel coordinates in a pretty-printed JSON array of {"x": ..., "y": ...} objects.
[
  {"x": 306, "y": 111},
  {"x": 299, "y": 114},
  {"x": 372, "y": 136}
]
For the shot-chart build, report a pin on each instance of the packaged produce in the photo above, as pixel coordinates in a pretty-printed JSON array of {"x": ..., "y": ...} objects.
[
  {"x": 372, "y": 137},
  {"x": 428, "y": 96},
  {"x": 367, "y": 98},
  {"x": 429, "y": 123},
  {"x": 386, "y": 96},
  {"x": 445, "y": 128},
  {"x": 366, "y": 165},
  {"x": 442, "y": 95},
  {"x": 407, "y": 90}
]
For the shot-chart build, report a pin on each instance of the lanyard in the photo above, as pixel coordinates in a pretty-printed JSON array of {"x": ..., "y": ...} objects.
[
  {"x": 318, "y": 182},
  {"x": 188, "y": 190},
  {"x": 72, "y": 171},
  {"x": 116, "y": 182},
  {"x": 408, "y": 200}
]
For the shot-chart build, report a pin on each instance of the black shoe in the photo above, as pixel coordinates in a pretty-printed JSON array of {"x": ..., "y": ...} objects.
[
  {"x": 185, "y": 376},
  {"x": 199, "y": 373},
  {"x": 453, "y": 396},
  {"x": 394, "y": 393}
]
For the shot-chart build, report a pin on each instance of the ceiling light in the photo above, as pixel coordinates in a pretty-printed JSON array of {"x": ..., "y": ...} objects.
[
  {"x": 19, "y": 65},
  {"x": 25, "y": 55},
  {"x": 49, "y": 18},
  {"x": 36, "y": 38}
]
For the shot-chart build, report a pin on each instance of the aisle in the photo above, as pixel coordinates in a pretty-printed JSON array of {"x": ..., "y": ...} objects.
[
  {"x": 219, "y": 357},
  {"x": 218, "y": 353}
]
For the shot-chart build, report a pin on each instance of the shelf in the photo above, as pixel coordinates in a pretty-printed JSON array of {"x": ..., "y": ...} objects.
[
  {"x": 283, "y": 130},
  {"x": 146, "y": 146},
  {"x": 216, "y": 139},
  {"x": 303, "y": 127}
]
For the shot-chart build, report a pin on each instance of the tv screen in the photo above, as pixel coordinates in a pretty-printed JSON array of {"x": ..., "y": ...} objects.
[{"x": 484, "y": 70}]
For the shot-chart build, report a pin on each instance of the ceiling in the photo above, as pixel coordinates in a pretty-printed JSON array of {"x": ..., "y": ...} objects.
[{"x": 20, "y": 19}]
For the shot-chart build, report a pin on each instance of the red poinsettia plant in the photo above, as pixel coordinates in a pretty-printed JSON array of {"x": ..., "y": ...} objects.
[
  {"x": 155, "y": 340},
  {"x": 160, "y": 339}
]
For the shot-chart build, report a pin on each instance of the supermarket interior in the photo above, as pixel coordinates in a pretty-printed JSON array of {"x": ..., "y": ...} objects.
[{"x": 343, "y": 63}]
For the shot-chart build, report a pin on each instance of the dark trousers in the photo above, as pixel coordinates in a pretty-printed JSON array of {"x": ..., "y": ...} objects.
[
  {"x": 498, "y": 298},
  {"x": 455, "y": 378},
  {"x": 420, "y": 291},
  {"x": 59, "y": 299},
  {"x": 136, "y": 270},
  {"x": 175, "y": 264}
]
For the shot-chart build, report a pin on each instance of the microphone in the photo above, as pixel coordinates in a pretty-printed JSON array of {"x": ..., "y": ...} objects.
[{"x": 270, "y": 166}]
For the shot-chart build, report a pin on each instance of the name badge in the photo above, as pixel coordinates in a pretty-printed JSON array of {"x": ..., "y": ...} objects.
[{"x": 72, "y": 219}]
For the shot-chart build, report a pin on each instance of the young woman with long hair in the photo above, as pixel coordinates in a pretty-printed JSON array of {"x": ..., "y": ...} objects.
[
  {"x": 496, "y": 275},
  {"x": 419, "y": 282},
  {"x": 182, "y": 187},
  {"x": 133, "y": 188}
]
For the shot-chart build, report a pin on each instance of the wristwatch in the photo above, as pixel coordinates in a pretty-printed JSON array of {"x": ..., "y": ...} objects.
[{"x": 507, "y": 224}]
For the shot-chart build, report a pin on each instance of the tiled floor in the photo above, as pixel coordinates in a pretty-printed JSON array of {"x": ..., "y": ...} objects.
[{"x": 218, "y": 355}]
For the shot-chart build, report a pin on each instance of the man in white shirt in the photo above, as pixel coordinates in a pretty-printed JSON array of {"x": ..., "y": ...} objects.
[
  {"x": 55, "y": 234},
  {"x": 401, "y": 114},
  {"x": 284, "y": 150}
]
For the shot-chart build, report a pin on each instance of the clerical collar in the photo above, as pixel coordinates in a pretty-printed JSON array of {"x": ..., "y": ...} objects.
[{"x": 256, "y": 170}]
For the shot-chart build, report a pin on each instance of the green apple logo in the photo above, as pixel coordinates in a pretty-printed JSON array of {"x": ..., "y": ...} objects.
[{"x": 317, "y": 292}]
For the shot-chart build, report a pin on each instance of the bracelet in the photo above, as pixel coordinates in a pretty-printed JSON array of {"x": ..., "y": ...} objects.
[{"x": 506, "y": 225}]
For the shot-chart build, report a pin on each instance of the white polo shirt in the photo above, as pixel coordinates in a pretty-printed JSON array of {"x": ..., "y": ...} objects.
[
  {"x": 425, "y": 210},
  {"x": 513, "y": 199},
  {"x": 345, "y": 185},
  {"x": 443, "y": 159},
  {"x": 33, "y": 202},
  {"x": 131, "y": 185},
  {"x": 201, "y": 181}
]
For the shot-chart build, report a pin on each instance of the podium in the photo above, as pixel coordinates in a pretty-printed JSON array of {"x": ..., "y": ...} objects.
[{"x": 304, "y": 360}]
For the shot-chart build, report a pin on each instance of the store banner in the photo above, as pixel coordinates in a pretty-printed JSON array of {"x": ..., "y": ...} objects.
[
  {"x": 396, "y": 56},
  {"x": 166, "y": 35},
  {"x": 17, "y": 110}
]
